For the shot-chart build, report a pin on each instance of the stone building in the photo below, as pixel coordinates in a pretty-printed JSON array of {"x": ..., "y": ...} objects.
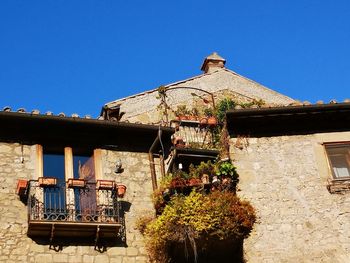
[
  {"x": 51, "y": 217},
  {"x": 60, "y": 175},
  {"x": 294, "y": 166}
]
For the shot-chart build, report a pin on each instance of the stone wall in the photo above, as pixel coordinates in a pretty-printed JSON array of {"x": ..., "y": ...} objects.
[
  {"x": 298, "y": 219},
  {"x": 283, "y": 177},
  {"x": 15, "y": 246},
  {"x": 143, "y": 107}
]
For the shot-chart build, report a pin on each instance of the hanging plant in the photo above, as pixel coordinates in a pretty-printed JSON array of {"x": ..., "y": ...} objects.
[{"x": 223, "y": 106}]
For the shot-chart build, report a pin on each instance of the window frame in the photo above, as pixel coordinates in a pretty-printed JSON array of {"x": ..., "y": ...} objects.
[
  {"x": 345, "y": 144},
  {"x": 68, "y": 162}
]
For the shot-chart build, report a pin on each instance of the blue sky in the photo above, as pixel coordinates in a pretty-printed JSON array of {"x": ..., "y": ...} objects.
[{"x": 74, "y": 56}]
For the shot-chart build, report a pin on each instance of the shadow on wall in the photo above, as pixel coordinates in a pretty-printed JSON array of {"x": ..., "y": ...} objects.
[
  {"x": 58, "y": 243},
  {"x": 208, "y": 251}
]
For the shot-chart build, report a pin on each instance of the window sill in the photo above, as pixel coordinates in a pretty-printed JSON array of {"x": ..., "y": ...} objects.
[{"x": 338, "y": 186}]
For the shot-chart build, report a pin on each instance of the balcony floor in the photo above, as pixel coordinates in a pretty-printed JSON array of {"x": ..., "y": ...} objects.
[{"x": 72, "y": 229}]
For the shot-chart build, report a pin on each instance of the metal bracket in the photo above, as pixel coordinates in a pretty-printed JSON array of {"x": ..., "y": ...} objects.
[
  {"x": 97, "y": 236},
  {"x": 52, "y": 235}
]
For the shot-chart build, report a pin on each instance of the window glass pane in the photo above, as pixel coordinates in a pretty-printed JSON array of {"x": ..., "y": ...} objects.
[
  {"x": 85, "y": 201},
  {"x": 84, "y": 167},
  {"x": 339, "y": 158},
  {"x": 54, "y": 166},
  {"x": 54, "y": 197}
]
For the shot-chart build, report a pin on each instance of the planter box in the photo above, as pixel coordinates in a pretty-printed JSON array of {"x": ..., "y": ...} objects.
[
  {"x": 76, "y": 183},
  {"x": 105, "y": 184},
  {"x": 21, "y": 187},
  {"x": 47, "y": 181}
]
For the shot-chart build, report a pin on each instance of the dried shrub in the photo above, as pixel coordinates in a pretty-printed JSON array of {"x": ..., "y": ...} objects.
[{"x": 195, "y": 218}]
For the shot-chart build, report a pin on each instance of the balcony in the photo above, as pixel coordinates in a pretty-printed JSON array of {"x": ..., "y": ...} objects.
[
  {"x": 196, "y": 135},
  {"x": 61, "y": 210}
]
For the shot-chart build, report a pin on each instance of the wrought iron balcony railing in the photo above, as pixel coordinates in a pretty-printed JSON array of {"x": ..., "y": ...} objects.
[{"x": 58, "y": 210}]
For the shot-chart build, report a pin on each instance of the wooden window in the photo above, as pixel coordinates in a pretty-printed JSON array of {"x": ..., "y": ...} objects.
[
  {"x": 339, "y": 160},
  {"x": 65, "y": 163}
]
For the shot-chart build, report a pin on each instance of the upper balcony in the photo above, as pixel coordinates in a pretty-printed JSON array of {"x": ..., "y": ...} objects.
[{"x": 196, "y": 134}]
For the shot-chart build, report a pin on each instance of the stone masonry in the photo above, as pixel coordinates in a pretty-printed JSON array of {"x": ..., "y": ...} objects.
[
  {"x": 143, "y": 107},
  {"x": 16, "y": 246},
  {"x": 298, "y": 219}
]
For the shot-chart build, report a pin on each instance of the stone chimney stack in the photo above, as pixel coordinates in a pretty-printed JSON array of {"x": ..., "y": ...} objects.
[{"x": 213, "y": 62}]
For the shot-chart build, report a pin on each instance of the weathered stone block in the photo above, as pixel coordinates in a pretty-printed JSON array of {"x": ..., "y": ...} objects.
[
  {"x": 60, "y": 258},
  {"x": 116, "y": 259},
  {"x": 43, "y": 258},
  {"x": 88, "y": 259},
  {"x": 116, "y": 251},
  {"x": 129, "y": 260},
  {"x": 131, "y": 251},
  {"x": 101, "y": 258}
]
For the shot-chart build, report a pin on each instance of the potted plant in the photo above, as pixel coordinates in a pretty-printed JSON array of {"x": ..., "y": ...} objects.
[
  {"x": 22, "y": 185},
  {"x": 121, "y": 189},
  {"x": 203, "y": 121},
  {"x": 227, "y": 169},
  {"x": 76, "y": 183},
  {"x": 178, "y": 179},
  {"x": 179, "y": 142},
  {"x": 177, "y": 182},
  {"x": 194, "y": 181},
  {"x": 194, "y": 114},
  {"x": 204, "y": 168},
  {"x": 47, "y": 181},
  {"x": 211, "y": 119},
  {"x": 182, "y": 112}
]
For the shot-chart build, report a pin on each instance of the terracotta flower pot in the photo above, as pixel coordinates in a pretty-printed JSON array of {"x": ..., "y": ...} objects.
[
  {"x": 121, "y": 190},
  {"x": 203, "y": 121},
  {"x": 212, "y": 121},
  {"x": 178, "y": 142},
  {"x": 192, "y": 118},
  {"x": 21, "y": 186}
]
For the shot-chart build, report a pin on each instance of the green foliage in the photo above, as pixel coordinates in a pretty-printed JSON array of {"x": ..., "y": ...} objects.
[
  {"x": 195, "y": 112},
  {"x": 203, "y": 168},
  {"x": 223, "y": 106},
  {"x": 182, "y": 110},
  {"x": 258, "y": 103},
  {"x": 195, "y": 217},
  {"x": 208, "y": 112},
  {"x": 227, "y": 169}
]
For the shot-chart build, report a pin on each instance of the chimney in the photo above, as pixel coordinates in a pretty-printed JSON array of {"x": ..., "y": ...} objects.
[{"x": 213, "y": 62}]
